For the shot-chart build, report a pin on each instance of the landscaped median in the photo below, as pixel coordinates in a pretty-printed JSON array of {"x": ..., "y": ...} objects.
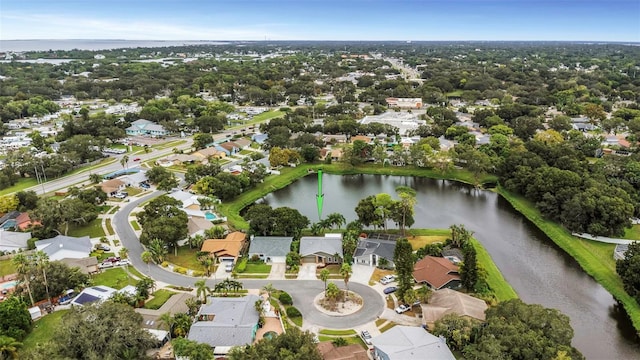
[{"x": 595, "y": 258}]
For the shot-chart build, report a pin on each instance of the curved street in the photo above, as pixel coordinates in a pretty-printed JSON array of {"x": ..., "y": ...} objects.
[{"x": 303, "y": 292}]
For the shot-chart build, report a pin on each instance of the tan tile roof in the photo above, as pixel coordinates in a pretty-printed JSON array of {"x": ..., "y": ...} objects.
[
  {"x": 349, "y": 352},
  {"x": 436, "y": 271},
  {"x": 230, "y": 246},
  {"x": 447, "y": 301}
]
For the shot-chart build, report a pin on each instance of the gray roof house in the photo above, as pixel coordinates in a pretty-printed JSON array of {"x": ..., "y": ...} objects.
[
  {"x": 61, "y": 247},
  {"x": 370, "y": 251},
  {"x": 145, "y": 127},
  {"x": 13, "y": 241},
  {"x": 409, "y": 343},
  {"x": 323, "y": 250},
  {"x": 226, "y": 322},
  {"x": 270, "y": 248}
]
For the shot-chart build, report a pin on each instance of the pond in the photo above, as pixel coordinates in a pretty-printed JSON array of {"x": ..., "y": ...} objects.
[{"x": 536, "y": 268}]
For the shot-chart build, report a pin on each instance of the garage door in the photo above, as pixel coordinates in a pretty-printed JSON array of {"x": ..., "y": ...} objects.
[{"x": 309, "y": 259}]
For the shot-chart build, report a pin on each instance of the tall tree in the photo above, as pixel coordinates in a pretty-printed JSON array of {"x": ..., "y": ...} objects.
[
  {"x": 629, "y": 270},
  {"x": 23, "y": 268},
  {"x": 202, "y": 290},
  {"x": 403, "y": 259},
  {"x": 324, "y": 276},
  {"x": 293, "y": 344},
  {"x": 346, "y": 272},
  {"x": 15, "y": 319},
  {"x": 146, "y": 258},
  {"x": 407, "y": 204}
]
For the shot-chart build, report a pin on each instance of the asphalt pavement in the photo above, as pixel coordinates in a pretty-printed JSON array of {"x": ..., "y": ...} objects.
[{"x": 303, "y": 292}]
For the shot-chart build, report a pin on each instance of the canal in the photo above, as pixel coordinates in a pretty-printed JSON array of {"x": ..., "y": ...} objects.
[{"x": 536, "y": 268}]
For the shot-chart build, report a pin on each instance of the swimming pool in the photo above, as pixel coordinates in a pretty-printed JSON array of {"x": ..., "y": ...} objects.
[
  {"x": 210, "y": 216},
  {"x": 8, "y": 285}
]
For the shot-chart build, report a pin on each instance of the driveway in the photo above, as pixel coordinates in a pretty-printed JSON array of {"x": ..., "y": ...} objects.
[
  {"x": 361, "y": 273},
  {"x": 307, "y": 272},
  {"x": 277, "y": 271},
  {"x": 302, "y": 292}
]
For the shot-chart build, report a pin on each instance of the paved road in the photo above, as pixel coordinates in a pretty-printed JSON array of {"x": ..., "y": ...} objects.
[
  {"x": 70, "y": 180},
  {"x": 302, "y": 291}
]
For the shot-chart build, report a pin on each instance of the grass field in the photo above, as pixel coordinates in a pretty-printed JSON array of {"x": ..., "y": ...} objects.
[
  {"x": 497, "y": 283},
  {"x": 44, "y": 329},
  {"x": 595, "y": 258},
  {"x": 6, "y": 267},
  {"x": 22, "y": 184},
  {"x": 632, "y": 233},
  {"x": 107, "y": 224},
  {"x": 159, "y": 298},
  {"x": 420, "y": 241},
  {"x": 347, "y": 332},
  {"x": 387, "y": 326},
  {"x": 101, "y": 255},
  {"x": 186, "y": 258},
  {"x": 257, "y": 268},
  {"x": 116, "y": 278},
  {"x": 135, "y": 225},
  {"x": 92, "y": 229}
]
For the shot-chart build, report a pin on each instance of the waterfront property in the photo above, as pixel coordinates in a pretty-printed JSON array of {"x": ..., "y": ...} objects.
[
  {"x": 372, "y": 251},
  {"x": 227, "y": 249},
  {"x": 270, "y": 248},
  {"x": 437, "y": 272},
  {"x": 447, "y": 301},
  {"x": 223, "y": 323}
]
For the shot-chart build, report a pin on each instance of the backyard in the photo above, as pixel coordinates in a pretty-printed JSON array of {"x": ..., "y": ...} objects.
[
  {"x": 44, "y": 329},
  {"x": 6, "y": 267},
  {"x": 92, "y": 229},
  {"x": 159, "y": 298}
]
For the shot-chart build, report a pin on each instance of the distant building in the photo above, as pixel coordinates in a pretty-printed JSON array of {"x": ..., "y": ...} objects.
[
  {"x": 143, "y": 127},
  {"x": 403, "y": 121},
  {"x": 414, "y": 103}
]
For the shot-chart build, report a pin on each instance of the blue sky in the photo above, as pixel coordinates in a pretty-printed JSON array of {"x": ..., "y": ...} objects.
[{"x": 595, "y": 20}]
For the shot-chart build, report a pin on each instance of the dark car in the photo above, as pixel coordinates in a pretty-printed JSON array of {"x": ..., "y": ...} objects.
[{"x": 390, "y": 289}]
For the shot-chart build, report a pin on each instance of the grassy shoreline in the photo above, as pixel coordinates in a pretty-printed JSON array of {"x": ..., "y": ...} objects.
[
  {"x": 596, "y": 259},
  {"x": 591, "y": 256}
]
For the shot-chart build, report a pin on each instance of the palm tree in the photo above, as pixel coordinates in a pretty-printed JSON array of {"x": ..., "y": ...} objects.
[
  {"x": 268, "y": 289},
  {"x": 123, "y": 253},
  {"x": 42, "y": 261},
  {"x": 95, "y": 178},
  {"x": 346, "y": 271},
  {"x": 9, "y": 347},
  {"x": 407, "y": 204},
  {"x": 168, "y": 320},
  {"x": 124, "y": 161},
  {"x": 146, "y": 258},
  {"x": 202, "y": 289},
  {"x": 324, "y": 276},
  {"x": 22, "y": 265},
  {"x": 336, "y": 219},
  {"x": 157, "y": 249}
]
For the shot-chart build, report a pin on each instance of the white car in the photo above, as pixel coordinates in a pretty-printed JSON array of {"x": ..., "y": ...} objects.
[
  {"x": 388, "y": 279},
  {"x": 403, "y": 308},
  {"x": 106, "y": 265},
  {"x": 228, "y": 267},
  {"x": 124, "y": 262},
  {"x": 366, "y": 337}
]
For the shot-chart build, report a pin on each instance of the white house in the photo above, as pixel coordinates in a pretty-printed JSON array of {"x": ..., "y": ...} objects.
[
  {"x": 142, "y": 127},
  {"x": 409, "y": 343},
  {"x": 61, "y": 247}
]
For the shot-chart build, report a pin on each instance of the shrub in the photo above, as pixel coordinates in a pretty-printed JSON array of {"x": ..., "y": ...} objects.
[
  {"x": 31, "y": 243},
  {"x": 180, "y": 270},
  {"x": 164, "y": 264},
  {"x": 292, "y": 312},
  {"x": 181, "y": 288},
  {"x": 285, "y": 298},
  {"x": 255, "y": 258},
  {"x": 196, "y": 273},
  {"x": 242, "y": 266}
]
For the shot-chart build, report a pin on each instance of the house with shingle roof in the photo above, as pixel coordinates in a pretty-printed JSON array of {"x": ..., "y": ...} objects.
[
  {"x": 437, "y": 272},
  {"x": 225, "y": 322},
  {"x": 270, "y": 248},
  {"x": 329, "y": 351},
  {"x": 62, "y": 246},
  {"x": 113, "y": 186},
  {"x": 410, "y": 343},
  {"x": 143, "y": 127},
  {"x": 210, "y": 152},
  {"x": 227, "y": 249},
  {"x": 370, "y": 251},
  {"x": 13, "y": 241},
  {"x": 447, "y": 301},
  {"x": 321, "y": 249}
]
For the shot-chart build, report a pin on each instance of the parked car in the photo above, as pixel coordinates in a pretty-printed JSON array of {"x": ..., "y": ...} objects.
[
  {"x": 120, "y": 196},
  {"x": 390, "y": 289},
  {"x": 366, "y": 337},
  {"x": 136, "y": 159},
  {"x": 388, "y": 279},
  {"x": 124, "y": 262},
  {"x": 403, "y": 308},
  {"x": 228, "y": 267},
  {"x": 145, "y": 186},
  {"x": 104, "y": 247},
  {"x": 106, "y": 265},
  {"x": 113, "y": 259}
]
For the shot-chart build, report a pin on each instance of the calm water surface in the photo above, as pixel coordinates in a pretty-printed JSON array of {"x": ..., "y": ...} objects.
[{"x": 536, "y": 268}]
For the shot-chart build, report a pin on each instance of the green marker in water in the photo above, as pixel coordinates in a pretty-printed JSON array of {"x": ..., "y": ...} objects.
[{"x": 319, "y": 195}]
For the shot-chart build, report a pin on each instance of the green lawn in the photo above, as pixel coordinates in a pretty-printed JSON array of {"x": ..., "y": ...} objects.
[
  {"x": 22, "y": 184},
  {"x": 595, "y": 258},
  {"x": 347, "y": 332},
  {"x": 632, "y": 233},
  {"x": 116, "y": 278},
  {"x": 92, "y": 229},
  {"x": 101, "y": 255},
  {"x": 159, "y": 298},
  {"x": 6, "y": 267},
  {"x": 258, "y": 268},
  {"x": 133, "y": 191},
  {"x": 135, "y": 225},
  {"x": 109, "y": 227},
  {"x": 186, "y": 258},
  {"x": 350, "y": 339},
  {"x": 267, "y": 115},
  {"x": 44, "y": 329},
  {"x": 388, "y": 326},
  {"x": 497, "y": 284}
]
